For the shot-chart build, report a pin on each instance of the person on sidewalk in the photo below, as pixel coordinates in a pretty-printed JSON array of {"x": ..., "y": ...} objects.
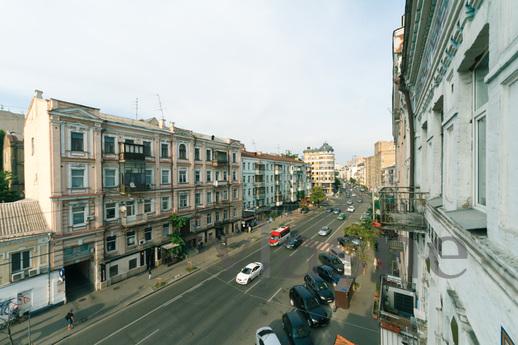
[
  {"x": 149, "y": 274},
  {"x": 375, "y": 263},
  {"x": 70, "y": 319}
]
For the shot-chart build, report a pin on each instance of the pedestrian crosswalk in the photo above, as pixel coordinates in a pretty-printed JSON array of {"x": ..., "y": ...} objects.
[{"x": 319, "y": 245}]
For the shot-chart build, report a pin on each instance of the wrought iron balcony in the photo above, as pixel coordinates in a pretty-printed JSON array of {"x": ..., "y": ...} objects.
[
  {"x": 402, "y": 208},
  {"x": 131, "y": 152},
  {"x": 134, "y": 182}
]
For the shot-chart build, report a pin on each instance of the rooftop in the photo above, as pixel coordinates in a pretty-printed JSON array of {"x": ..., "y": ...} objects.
[
  {"x": 270, "y": 156},
  {"x": 324, "y": 148},
  {"x": 21, "y": 218}
]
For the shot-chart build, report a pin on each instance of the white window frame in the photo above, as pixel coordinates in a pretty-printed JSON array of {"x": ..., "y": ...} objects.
[
  {"x": 180, "y": 194},
  {"x": 81, "y": 130},
  {"x": 168, "y": 150},
  {"x": 152, "y": 175},
  {"x": 186, "y": 174},
  {"x": 197, "y": 202},
  {"x": 134, "y": 208},
  {"x": 151, "y": 203},
  {"x": 197, "y": 171},
  {"x": 186, "y": 151},
  {"x": 150, "y": 147},
  {"x": 199, "y": 153},
  {"x": 162, "y": 176},
  {"x": 116, "y": 177},
  {"x": 209, "y": 218},
  {"x": 134, "y": 238},
  {"x": 116, "y": 210},
  {"x": 85, "y": 215},
  {"x": 115, "y": 146},
  {"x": 208, "y": 175},
  {"x": 85, "y": 175},
  {"x": 115, "y": 241},
  {"x": 208, "y": 196},
  {"x": 162, "y": 198}
]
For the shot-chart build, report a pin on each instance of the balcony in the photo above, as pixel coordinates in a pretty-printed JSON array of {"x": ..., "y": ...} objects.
[
  {"x": 134, "y": 182},
  {"x": 402, "y": 208},
  {"x": 220, "y": 159},
  {"x": 220, "y": 183},
  {"x": 135, "y": 219},
  {"x": 131, "y": 152}
]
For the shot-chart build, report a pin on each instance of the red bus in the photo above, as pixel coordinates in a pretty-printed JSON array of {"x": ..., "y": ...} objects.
[{"x": 279, "y": 235}]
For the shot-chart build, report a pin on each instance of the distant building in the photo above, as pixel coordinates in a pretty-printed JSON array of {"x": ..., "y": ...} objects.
[
  {"x": 384, "y": 156},
  {"x": 321, "y": 162},
  {"x": 355, "y": 169},
  {"x": 12, "y": 151}
]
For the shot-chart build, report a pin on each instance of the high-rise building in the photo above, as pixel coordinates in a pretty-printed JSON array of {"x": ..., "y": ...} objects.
[{"x": 321, "y": 162}]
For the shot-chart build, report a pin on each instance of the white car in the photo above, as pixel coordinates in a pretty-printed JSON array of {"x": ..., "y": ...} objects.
[
  {"x": 249, "y": 272},
  {"x": 324, "y": 231},
  {"x": 350, "y": 209},
  {"x": 266, "y": 336}
]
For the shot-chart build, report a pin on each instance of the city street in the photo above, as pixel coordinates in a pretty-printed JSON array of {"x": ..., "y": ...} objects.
[{"x": 179, "y": 314}]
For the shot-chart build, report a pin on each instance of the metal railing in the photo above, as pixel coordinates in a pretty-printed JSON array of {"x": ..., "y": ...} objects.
[{"x": 402, "y": 208}]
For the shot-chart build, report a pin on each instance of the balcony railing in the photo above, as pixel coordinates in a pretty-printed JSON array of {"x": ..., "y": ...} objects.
[
  {"x": 131, "y": 152},
  {"x": 220, "y": 183},
  {"x": 402, "y": 208},
  {"x": 220, "y": 162},
  {"x": 134, "y": 182},
  {"x": 135, "y": 219}
]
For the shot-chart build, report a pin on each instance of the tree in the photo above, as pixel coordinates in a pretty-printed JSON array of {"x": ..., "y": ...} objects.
[
  {"x": 7, "y": 195},
  {"x": 317, "y": 195},
  {"x": 290, "y": 154},
  {"x": 352, "y": 180},
  {"x": 179, "y": 249},
  {"x": 337, "y": 184},
  {"x": 366, "y": 232},
  {"x": 177, "y": 221}
]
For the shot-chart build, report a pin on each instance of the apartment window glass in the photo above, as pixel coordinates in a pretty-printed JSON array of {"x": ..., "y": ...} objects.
[
  {"x": 184, "y": 202},
  {"x": 225, "y": 195},
  {"x": 77, "y": 177},
  {"x": 132, "y": 264},
  {"x": 209, "y": 175},
  {"x": 111, "y": 243},
  {"x": 217, "y": 176},
  {"x": 208, "y": 155},
  {"x": 114, "y": 270},
  {"x": 197, "y": 198},
  {"x": 147, "y": 148},
  {"x": 165, "y": 203},
  {"x": 217, "y": 216},
  {"x": 148, "y": 233},
  {"x": 234, "y": 159},
  {"x": 234, "y": 175},
  {"x": 224, "y": 175},
  {"x": 481, "y": 160},
  {"x": 182, "y": 176},
  {"x": 130, "y": 208},
  {"x": 182, "y": 151},
  {"x": 225, "y": 214},
  {"x": 110, "y": 177},
  {"x": 148, "y": 173},
  {"x": 109, "y": 145},
  {"x": 234, "y": 194},
  {"x": 209, "y": 218},
  {"x": 479, "y": 73},
  {"x": 78, "y": 214},
  {"x": 165, "y": 230},
  {"x": 166, "y": 176},
  {"x": 209, "y": 197},
  {"x": 76, "y": 141},
  {"x": 197, "y": 154},
  {"x": 164, "y": 150},
  {"x": 20, "y": 261},
  {"x": 197, "y": 176},
  {"x": 131, "y": 238},
  {"x": 110, "y": 210},
  {"x": 148, "y": 205}
]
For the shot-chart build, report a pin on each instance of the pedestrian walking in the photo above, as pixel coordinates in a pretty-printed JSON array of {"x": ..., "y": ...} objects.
[
  {"x": 149, "y": 274},
  {"x": 70, "y": 319},
  {"x": 375, "y": 264}
]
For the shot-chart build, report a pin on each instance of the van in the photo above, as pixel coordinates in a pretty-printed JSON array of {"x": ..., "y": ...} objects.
[{"x": 279, "y": 236}]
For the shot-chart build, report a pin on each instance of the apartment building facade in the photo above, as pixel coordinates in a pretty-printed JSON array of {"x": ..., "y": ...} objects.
[
  {"x": 457, "y": 94},
  {"x": 271, "y": 181},
  {"x": 321, "y": 162},
  {"x": 108, "y": 186}
]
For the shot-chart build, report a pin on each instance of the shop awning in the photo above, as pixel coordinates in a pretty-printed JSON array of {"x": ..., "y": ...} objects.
[
  {"x": 342, "y": 341},
  {"x": 170, "y": 245}
]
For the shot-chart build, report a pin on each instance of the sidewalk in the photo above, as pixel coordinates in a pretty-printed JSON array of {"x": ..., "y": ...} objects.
[{"x": 49, "y": 327}]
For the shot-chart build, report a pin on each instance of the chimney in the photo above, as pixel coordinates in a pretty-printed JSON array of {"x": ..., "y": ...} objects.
[
  {"x": 162, "y": 123},
  {"x": 38, "y": 94}
]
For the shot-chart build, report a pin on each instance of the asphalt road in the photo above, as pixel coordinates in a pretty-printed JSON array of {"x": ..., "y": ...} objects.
[{"x": 208, "y": 307}]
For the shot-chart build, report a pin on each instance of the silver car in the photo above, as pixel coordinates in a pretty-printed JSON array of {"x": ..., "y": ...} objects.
[{"x": 324, "y": 231}]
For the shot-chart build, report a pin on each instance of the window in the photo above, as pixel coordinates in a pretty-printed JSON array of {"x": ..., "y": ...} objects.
[
  {"x": 111, "y": 243},
  {"x": 224, "y": 175},
  {"x": 166, "y": 176},
  {"x": 197, "y": 177},
  {"x": 77, "y": 177},
  {"x": 479, "y": 73},
  {"x": 147, "y": 148},
  {"x": 132, "y": 264},
  {"x": 234, "y": 212},
  {"x": 184, "y": 201},
  {"x": 165, "y": 203},
  {"x": 164, "y": 150},
  {"x": 209, "y": 197},
  {"x": 76, "y": 142},
  {"x": 148, "y": 233},
  {"x": 130, "y": 238},
  {"x": 114, "y": 270},
  {"x": 234, "y": 175},
  {"x": 197, "y": 198},
  {"x": 109, "y": 145},
  {"x": 209, "y": 218},
  {"x": 182, "y": 176},
  {"x": 216, "y": 178},
  {"x": 209, "y": 175},
  {"x": 197, "y": 154},
  {"x": 234, "y": 194},
  {"x": 165, "y": 230},
  {"x": 78, "y": 215},
  {"x": 197, "y": 222},
  {"x": 182, "y": 151},
  {"x": 110, "y": 177},
  {"x": 225, "y": 214},
  {"x": 110, "y": 210},
  {"x": 208, "y": 155},
  {"x": 130, "y": 208},
  {"x": 217, "y": 216},
  {"x": 148, "y": 205},
  {"x": 480, "y": 128},
  {"x": 225, "y": 195},
  {"x": 148, "y": 173},
  {"x": 234, "y": 160},
  {"x": 20, "y": 261},
  {"x": 480, "y": 95}
]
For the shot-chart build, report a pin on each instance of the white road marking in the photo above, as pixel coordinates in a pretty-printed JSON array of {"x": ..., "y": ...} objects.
[
  {"x": 250, "y": 288},
  {"x": 276, "y": 292},
  {"x": 173, "y": 300},
  {"x": 307, "y": 260},
  {"x": 147, "y": 337}
]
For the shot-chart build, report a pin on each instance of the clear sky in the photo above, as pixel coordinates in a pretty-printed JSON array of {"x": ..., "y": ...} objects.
[{"x": 277, "y": 75}]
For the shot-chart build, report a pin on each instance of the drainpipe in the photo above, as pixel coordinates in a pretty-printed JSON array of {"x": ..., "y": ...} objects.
[{"x": 48, "y": 263}]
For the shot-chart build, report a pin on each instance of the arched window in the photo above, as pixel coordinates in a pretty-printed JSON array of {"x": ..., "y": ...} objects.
[{"x": 182, "y": 151}]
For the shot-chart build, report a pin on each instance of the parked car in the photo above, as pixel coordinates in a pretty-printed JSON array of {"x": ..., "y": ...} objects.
[
  {"x": 319, "y": 287},
  {"x": 294, "y": 241},
  {"x": 324, "y": 231},
  {"x": 332, "y": 261},
  {"x": 266, "y": 336},
  {"x": 328, "y": 274},
  {"x": 350, "y": 209},
  {"x": 349, "y": 202},
  {"x": 342, "y": 216},
  {"x": 329, "y": 210},
  {"x": 359, "y": 201},
  {"x": 249, "y": 273},
  {"x": 315, "y": 313},
  {"x": 336, "y": 211},
  {"x": 344, "y": 254},
  {"x": 296, "y": 328},
  {"x": 353, "y": 195}
]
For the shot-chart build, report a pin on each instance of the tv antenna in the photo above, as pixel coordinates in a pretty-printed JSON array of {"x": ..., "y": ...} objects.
[
  {"x": 160, "y": 106},
  {"x": 253, "y": 145},
  {"x": 136, "y": 108}
]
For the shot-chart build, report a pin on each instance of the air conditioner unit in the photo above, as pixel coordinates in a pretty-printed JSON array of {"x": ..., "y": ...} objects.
[
  {"x": 17, "y": 276},
  {"x": 141, "y": 242},
  {"x": 33, "y": 272}
]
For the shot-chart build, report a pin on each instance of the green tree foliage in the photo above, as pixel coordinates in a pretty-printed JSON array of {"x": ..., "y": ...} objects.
[
  {"x": 2, "y": 135},
  {"x": 177, "y": 221},
  {"x": 337, "y": 184},
  {"x": 352, "y": 180},
  {"x": 317, "y": 195},
  {"x": 366, "y": 232},
  {"x": 179, "y": 250},
  {"x": 7, "y": 195},
  {"x": 290, "y": 154}
]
